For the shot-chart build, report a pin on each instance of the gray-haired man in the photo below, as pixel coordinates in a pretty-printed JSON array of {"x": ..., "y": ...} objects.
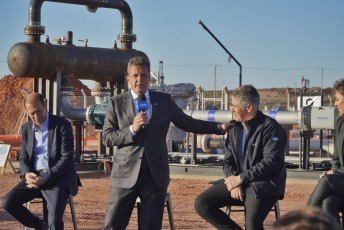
[{"x": 254, "y": 166}]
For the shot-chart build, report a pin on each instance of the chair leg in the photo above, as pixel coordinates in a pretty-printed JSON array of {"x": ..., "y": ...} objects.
[
  {"x": 228, "y": 210},
  {"x": 169, "y": 210},
  {"x": 138, "y": 206},
  {"x": 45, "y": 211},
  {"x": 28, "y": 207},
  {"x": 72, "y": 210},
  {"x": 277, "y": 210}
]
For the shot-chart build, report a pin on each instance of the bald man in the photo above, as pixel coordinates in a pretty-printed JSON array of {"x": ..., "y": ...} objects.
[{"x": 47, "y": 166}]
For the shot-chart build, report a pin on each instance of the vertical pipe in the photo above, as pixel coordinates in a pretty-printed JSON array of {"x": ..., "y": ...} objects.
[
  {"x": 78, "y": 134},
  {"x": 214, "y": 86},
  {"x": 34, "y": 30},
  {"x": 85, "y": 106},
  {"x": 193, "y": 149},
  {"x": 57, "y": 93}
]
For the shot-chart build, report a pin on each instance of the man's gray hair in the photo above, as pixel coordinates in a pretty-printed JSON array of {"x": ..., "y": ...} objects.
[
  {"x": 247, "y": 94},
  {"x": 338, "y": 87},
  {"x": 140, "y": 61}
]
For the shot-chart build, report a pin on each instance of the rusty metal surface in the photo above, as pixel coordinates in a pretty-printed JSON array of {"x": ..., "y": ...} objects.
[{"x": 40, "y": 60}]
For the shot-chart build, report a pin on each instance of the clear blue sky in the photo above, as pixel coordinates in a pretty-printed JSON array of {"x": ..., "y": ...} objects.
[{"x": 276, "y": 42}]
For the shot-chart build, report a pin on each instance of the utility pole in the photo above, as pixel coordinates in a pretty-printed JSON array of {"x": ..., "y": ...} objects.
[
  {"x": 321, "y": 104},
  {"x": 215, "y": 85},
  {"x": 223, "y": 47},
  {"x": 322, "y": 74}
]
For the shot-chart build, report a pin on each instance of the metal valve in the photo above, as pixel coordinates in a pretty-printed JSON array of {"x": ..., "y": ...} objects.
[{"x": 85, "y": 41}]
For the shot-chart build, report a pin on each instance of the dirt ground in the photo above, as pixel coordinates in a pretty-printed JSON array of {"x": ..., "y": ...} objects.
[{"x": 91, "y": 201}]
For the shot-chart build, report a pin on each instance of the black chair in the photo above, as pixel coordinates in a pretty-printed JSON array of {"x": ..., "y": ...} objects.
[
  {"x": 45, "y": 210},
  {"x": 168, "y": 206},
  {"x": 275, "y": 208}
]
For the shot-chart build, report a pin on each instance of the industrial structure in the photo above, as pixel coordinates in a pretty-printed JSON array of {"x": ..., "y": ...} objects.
[{"x": 51, "y": 65}]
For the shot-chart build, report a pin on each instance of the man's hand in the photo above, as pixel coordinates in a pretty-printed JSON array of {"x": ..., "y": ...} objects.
[
  {"x": 225, "y": 126},
  {"x": 327, "y": 173},
  {"x": 140, "y": 119},
  {"x": 237, "y": 193},
  {"x": 33, "y": 181},
  {"x": 233, "y": 182},
  {"x": 30, "y": 177}
]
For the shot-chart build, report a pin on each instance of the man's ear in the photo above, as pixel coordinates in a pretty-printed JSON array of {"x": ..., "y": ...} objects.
[
  {"x": 250, "y": 108},
  {"x": 45, "y": 103}
]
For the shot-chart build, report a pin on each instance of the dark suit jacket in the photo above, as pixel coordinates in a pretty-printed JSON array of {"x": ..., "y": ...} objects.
[
  {"x": 127, "y": 160},
  {"x": 60, "y": 153},
  {"x": 263, "y": 164},
  {"x": 337, "y": 158}
]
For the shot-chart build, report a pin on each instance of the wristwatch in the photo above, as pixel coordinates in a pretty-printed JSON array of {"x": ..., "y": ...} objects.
[{"x": 241, "y": 177}]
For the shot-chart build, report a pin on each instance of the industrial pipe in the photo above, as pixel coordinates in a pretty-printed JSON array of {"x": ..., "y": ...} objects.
[
  {"x": 309, "y": 118},
  {"x": 95, "y": 115},
  {"x": 34, "y": 30},
  {"x": 67, "y": 109},
  {"x": 39, "y": 60},
  {"x": 85, "y": 106},
  {"x": 101, "y": 93},
  {"x": 316, "y": 118},
  {"x": 209, "y": 143}
]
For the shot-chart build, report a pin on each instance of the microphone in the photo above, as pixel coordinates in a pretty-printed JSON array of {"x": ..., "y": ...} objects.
[{"x": 142, "y": 105}]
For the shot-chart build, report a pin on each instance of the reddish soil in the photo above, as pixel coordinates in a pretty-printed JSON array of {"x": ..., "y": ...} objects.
[
  {"x": 12, "y": 102},
  {"x": 91, "y": 201}
]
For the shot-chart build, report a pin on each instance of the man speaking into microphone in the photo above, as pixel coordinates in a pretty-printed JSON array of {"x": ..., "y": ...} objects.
[{"x": 137, "y": 122}]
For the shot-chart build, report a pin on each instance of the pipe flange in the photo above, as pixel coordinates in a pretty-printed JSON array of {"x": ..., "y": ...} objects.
[
  {"x": 89, "y": 111},
  {"x": 101, "y": 91},
  {"x": 126, "y": 38},
  {"x": 34, "y": 30},
  {"x": 101, "y": 94},
  {"x": 66, "y": 90},
  {"x": 206, "y": 143},
  {"x": 305, "y": 118}
]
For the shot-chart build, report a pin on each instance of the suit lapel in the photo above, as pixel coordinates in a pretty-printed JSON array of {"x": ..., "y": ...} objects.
[
  {"x": 31, "y": 138},
  {"x": 129, "y": 107},
  {"x": 154, "y": 106},
  {"x": 50, "y": 134}
]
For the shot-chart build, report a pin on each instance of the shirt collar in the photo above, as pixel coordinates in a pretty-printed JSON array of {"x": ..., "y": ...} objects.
[{"x": 134, "y": 95}]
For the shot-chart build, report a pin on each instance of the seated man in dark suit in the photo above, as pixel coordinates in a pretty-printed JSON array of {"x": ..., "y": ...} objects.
[{"x": 47, "y": 166}]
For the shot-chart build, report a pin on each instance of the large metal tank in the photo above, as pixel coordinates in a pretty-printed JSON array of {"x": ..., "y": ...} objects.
[{"x": 40, "y": 60}]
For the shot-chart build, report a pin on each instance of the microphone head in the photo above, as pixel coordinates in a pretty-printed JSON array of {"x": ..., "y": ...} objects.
[
  {"x": 141, "y": 97},
  {"x": 141, "y": 104}
]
